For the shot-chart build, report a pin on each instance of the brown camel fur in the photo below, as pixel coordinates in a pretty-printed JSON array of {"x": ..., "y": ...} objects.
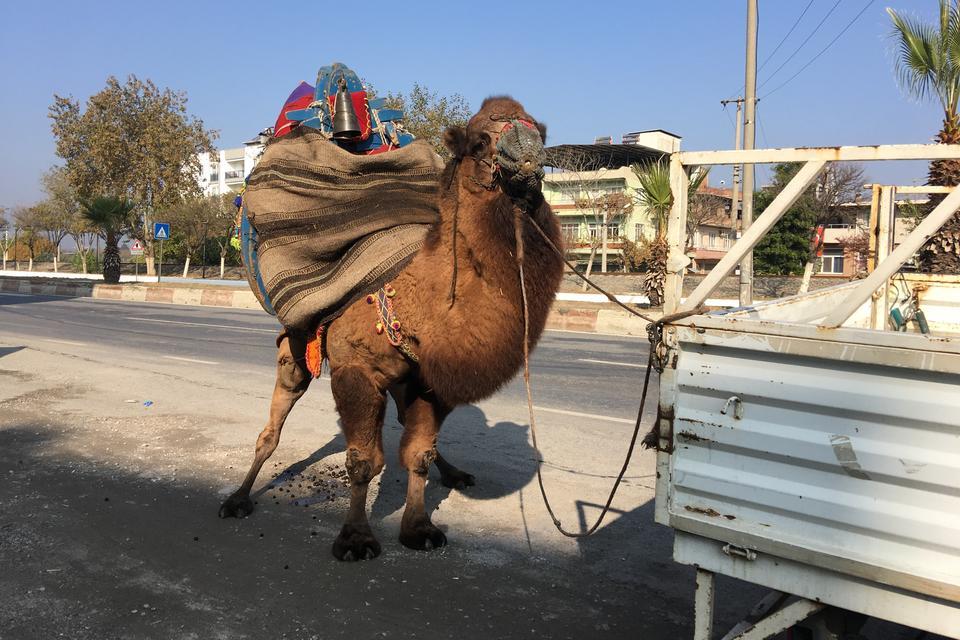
[{"x": 469, "y": 344}]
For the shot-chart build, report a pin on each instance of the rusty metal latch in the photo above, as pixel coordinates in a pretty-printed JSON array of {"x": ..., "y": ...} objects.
[
  {"x": 737, "y": 407},
  {"x": 743, "y": 552}
]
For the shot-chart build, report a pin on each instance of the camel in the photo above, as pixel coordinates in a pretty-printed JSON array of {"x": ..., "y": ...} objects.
[{"x": 459, "y": 301}]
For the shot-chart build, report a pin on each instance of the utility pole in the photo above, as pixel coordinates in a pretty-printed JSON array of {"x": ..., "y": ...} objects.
[
  {"x": 737, "y": 144},
  {"x": 749, "y": 138}
]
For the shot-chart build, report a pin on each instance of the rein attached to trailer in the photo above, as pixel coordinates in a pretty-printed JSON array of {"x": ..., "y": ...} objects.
[{"x": 654, "y": 361}]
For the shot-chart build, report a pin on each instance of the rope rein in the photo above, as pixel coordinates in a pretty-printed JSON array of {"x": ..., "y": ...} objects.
[{"x": 654, "y": 331}]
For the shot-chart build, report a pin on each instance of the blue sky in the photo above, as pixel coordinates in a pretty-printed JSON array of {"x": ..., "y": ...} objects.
[{"x": 584, "y": 68}]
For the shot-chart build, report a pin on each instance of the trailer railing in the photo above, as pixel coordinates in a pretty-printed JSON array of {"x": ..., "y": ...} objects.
[{"x": 815, "y": 160}]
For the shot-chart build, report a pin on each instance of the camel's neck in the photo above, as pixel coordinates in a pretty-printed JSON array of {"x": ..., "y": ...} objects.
[{"x": 481, "y": 224}]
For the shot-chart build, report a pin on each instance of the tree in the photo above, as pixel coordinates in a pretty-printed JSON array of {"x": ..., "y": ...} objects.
[
  {"x": 58, "y": 210},
  {"x": 657, "y": 196},
  {"x": 600, "y": 204},
  {"x": 702, "y": 208},
  {"x": 29, "y": 222},
  {"x": 6, "y": 241},
  {"x": 133, "y": 140},
  {"x": 192, "y": 221},
  {"x": 793, "y": 245},
  {"x": 786, "y": 247},
  {"x": 928, "y": 66},
  {"x": 427, "y": 115},
  {"x": 83, "y": 236},
  {"x": 112, "y": 218},
  {"x": 838, "y": 184},
  {"x": 224, "y": 222}
]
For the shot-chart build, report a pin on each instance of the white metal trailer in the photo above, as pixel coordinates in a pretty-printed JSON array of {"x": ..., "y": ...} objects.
[{"x": 803, "y": 446}]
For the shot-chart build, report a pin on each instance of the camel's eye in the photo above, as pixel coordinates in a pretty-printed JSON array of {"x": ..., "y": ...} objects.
[{"x": 480, "y": 144}]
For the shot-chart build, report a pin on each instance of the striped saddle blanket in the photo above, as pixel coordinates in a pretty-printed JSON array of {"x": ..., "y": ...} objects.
[{"x": 331, "y": 226}]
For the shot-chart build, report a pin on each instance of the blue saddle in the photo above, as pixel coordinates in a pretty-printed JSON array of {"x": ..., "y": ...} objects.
[{"x": 380, "y": 133}]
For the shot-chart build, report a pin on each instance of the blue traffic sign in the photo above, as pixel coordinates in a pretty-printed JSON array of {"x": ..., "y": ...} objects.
[{"x": 161, "y": 230}]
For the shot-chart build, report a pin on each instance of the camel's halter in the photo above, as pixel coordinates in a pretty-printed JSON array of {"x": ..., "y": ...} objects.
[{"x": 655, "y": 360}]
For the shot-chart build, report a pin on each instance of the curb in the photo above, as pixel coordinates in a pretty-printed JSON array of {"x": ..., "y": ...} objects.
[{"x": 562, "y": 316}]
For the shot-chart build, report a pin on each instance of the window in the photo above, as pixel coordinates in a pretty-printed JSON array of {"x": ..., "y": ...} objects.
[
  {"x": 613, "y": 231},
  {"x": 638, "y": 232},
  {"x": 832, "y": 261},
  {"x": 570, "y": 231}
]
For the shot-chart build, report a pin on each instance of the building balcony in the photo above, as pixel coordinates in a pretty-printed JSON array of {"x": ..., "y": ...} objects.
[{"x": 233, "y": 176}]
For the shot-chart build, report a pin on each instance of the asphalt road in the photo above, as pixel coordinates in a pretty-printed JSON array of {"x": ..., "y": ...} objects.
[{"x": 586, "y": 373}]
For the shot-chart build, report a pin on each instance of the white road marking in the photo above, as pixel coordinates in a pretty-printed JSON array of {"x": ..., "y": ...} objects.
[
  {"x": 204, "y": 324},
  {"x": 70, "y": 342},
  {"x": 619, "y": 364},
  {"x": 578, "y": 414},
  {"x": 190, "y": 360}
]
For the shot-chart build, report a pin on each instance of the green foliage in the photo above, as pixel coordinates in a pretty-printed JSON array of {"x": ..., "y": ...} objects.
[
  {"x": 784, "y": 250},
  {"x": 134, "y": 140},
  {"x": 427, "y": 115},
  {"x": 110, "y": 216},
  {"x": 929, "y": 55},
  {"x": 656, "y": 194},
  {"x": 77, "y": 260}
]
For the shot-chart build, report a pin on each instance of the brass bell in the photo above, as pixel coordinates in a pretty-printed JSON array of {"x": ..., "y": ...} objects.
[{"x": 346, "y": 126}]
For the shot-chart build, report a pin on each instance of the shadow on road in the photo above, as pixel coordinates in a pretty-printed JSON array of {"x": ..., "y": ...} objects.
[
  {"x": 464, "y": 432},
  {"x": 5, "y": 351},
  {"x": 92, "y": 549}
]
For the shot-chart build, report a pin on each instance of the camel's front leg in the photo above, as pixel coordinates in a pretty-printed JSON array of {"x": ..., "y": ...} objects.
[
  {"x": 292, "y": 382},
  {"x": 361, "y": 406},
  {"x": 418, "y": 450}
]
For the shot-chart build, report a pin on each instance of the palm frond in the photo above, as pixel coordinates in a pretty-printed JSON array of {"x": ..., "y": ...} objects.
[
  {"x": 928, "y": 59},
  {"x": 108, "y": 214}
]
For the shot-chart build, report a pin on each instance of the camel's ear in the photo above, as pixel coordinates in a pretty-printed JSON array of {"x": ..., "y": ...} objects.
[
  {"x": 455, "y": 139},
  {"x": 542, "y": 128}
]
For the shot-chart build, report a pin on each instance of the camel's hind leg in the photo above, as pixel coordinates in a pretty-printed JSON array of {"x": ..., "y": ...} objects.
[
  {"x": 418, "y": 450},
  {"x": 450, "y": 476},
  {"x": 360, "y": 403},
  {"x": 292, "y": 382}
]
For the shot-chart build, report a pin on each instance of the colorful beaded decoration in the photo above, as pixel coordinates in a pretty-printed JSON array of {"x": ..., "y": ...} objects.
[{"x": 388, "y": 323}]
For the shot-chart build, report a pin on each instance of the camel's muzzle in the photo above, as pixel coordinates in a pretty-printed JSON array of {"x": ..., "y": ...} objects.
[{"x": 520, "y": 154}]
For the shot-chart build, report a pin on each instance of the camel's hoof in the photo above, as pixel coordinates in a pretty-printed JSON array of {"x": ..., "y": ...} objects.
[
  {"x": 355, "y": 543},
  {"x": 457, "y": 480},
  {"x": 423, "y": 536},
  {"x": 236, "y": 507}
]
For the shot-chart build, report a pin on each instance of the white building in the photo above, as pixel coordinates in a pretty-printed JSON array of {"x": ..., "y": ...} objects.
[{"x": 226, "y": 170}]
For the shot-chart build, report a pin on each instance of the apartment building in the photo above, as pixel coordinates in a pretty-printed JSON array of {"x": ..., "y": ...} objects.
[{"x": 225, "y": 170}]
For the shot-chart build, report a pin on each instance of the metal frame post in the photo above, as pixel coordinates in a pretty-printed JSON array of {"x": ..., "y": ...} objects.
[
  {"x": 911, "y": 244},
  {"x": 676, "y": 236},
  {"x": 703, "y": 606},
  {"x": 881, "y": 236}
]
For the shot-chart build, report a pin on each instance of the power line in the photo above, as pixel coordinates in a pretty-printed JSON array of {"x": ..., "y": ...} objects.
[
  {"x": 805, "y": 41},
  {"x": 784, "y": 39},
  {"x": 822, "y": 51},
  {"x": 729, "y": 117}
]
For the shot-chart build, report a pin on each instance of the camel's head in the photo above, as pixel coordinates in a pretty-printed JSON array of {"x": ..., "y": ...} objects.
[{"x": 501, "y": 146}]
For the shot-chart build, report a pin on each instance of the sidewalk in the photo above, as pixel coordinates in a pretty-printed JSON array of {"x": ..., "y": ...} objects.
[{"x": 590, "y": 313}]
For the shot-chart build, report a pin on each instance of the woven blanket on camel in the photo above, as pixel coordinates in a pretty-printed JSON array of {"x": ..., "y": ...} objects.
[{"x": 334, "y": 226}]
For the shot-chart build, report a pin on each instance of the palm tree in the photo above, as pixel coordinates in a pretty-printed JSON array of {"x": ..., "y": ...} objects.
[
  {"x": 927, "y": 66},
  {"x": 111, "y": 217},
  {"x": 656, "y": 196}
]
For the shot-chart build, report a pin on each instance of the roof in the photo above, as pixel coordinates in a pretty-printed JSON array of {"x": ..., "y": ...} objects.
[{"x": 589, "y": 157}]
